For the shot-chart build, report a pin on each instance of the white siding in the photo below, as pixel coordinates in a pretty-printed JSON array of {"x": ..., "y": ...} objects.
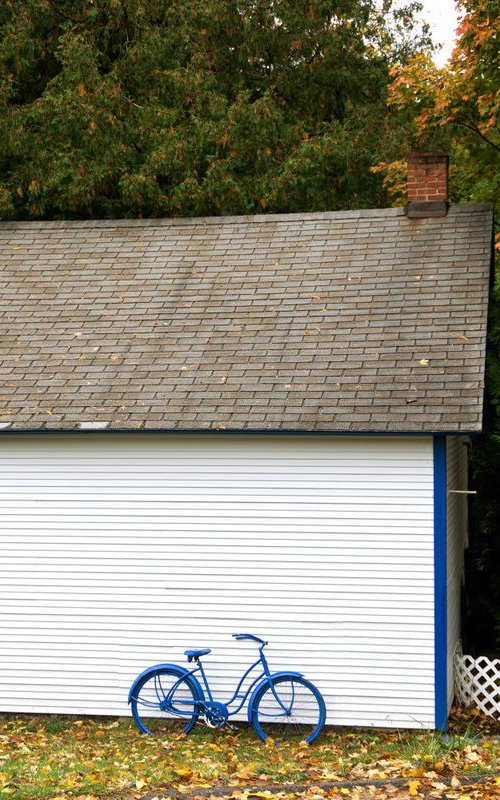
[
  {"x": 456, "y": 540},
  {"x": 120, "y": 551}
]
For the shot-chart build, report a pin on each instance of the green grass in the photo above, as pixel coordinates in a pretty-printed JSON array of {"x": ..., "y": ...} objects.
[{"x": 50, "y": 756}]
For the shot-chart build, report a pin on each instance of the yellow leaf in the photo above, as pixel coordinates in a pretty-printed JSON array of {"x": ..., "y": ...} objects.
[
  {"x": 376, "y": 773},
  {"x": 140, "y": 784},
  {"x": 183, "y": 772},
  {"x": 424, "y": 362},
  {"x": 416, "y": 772},
  {"x": 413, "y": 788}
]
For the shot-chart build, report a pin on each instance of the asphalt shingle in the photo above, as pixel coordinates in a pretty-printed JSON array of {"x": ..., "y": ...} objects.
[{"x": 344, "y": 321}]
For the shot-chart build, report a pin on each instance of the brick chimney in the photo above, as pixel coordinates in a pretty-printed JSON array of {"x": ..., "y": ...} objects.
[{"x": 427, "y": 185}]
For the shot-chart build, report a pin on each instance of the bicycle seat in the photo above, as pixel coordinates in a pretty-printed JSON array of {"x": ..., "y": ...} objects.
[{"x": 197, "y": 653}]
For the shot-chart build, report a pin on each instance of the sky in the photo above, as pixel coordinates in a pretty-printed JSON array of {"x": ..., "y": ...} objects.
[{"x": 443, "y": 20}]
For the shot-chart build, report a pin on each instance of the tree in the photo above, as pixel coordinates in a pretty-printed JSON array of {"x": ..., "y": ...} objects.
[
  {"x": 457, "y": 109},
  {"x": 186, "y": 107}
]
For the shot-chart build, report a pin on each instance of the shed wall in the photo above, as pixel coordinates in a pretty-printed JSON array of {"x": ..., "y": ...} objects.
[
  {"x": 456, "y": 541},
  {"x": 120, "y": 551}
]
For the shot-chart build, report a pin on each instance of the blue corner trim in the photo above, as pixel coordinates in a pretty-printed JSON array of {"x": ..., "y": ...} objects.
[{"x": 440, "y": 609}]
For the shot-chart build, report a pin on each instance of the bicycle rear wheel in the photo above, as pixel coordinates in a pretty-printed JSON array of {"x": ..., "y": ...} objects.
[
  {"x": 165, "y": 703},
  {"x": 294, "y": 711}
]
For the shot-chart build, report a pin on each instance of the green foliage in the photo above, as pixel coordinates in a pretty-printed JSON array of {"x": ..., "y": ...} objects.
[{"x": 119, "y": 108}]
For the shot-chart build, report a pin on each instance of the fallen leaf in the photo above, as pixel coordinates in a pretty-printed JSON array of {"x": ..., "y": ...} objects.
[
  {"x": 416, "y": 772},
  {"x": 183, "y": 772}
]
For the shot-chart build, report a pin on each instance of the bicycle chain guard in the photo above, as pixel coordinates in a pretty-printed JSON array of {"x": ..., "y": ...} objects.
[{"x": 215, "y": 714}]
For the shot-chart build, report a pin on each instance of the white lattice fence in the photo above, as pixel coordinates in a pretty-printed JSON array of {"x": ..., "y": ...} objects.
[{"x": 477, "y": 682}]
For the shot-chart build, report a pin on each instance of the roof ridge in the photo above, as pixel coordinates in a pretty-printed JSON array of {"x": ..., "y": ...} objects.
[{"x": 360, "y": 213}]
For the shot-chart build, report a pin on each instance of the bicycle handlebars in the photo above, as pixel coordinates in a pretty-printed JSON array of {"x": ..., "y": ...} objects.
[{"x": 249, "y": 636}]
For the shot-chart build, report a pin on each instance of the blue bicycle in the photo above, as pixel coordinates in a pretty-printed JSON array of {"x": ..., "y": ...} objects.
[{"x": 169, "y": 699}]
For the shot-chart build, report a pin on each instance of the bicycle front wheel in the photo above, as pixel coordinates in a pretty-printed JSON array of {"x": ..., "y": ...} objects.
[
  {"x": 164, "y": 703},
  {"x": 292, "y": 710}
]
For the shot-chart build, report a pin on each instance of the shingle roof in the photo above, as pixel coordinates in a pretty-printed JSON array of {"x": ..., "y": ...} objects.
[{"x": 345, "y": 321}]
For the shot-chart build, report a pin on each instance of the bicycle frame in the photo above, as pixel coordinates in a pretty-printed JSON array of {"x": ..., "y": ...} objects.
[{"x": 243, "y": 697}]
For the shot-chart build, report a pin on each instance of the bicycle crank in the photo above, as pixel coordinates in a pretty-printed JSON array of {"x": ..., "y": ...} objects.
[{"x": 215, "y": 714}]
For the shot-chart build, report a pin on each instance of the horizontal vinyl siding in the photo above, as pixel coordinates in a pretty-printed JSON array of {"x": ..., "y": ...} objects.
[
  {"x": 456, "y": 540},
  {"x": 121, "y": 551}
]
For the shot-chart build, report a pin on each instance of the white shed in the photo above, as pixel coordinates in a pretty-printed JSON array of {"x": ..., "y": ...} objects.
[{"x": 259, "y": 423}]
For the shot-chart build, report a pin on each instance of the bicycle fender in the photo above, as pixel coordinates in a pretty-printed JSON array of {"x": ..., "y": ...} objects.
[
  {"x": 176, "y": 668},
  {"x": 264, "y": 682}
]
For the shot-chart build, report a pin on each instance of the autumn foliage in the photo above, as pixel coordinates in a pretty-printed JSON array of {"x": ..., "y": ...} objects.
[{"x": 455, "y": 108}]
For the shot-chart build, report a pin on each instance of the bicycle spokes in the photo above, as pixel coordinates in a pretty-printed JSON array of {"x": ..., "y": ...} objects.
[
  {"x": 164, "y": 702},
  {"x": 291, "y": 709}
]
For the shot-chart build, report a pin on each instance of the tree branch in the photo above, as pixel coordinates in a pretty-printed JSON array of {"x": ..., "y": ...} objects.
[{"x": 476, "y": 130}]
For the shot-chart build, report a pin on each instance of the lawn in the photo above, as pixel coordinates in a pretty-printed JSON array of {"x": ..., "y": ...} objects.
[{"x": 68, "y": 757}]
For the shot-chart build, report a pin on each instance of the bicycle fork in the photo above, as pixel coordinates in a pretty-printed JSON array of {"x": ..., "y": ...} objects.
[{"x": 287, "y": 711}]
